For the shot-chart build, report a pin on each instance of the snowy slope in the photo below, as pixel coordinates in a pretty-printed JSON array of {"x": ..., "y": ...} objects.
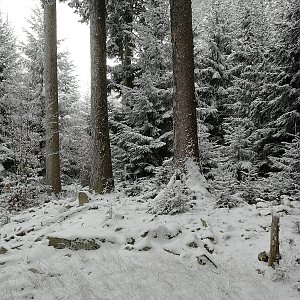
[{"x": 144, "y": 256}]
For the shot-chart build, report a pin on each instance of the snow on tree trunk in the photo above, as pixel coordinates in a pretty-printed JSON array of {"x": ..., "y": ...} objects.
[
  {"x": 51, "y": 97},
  {"x": 184, "y": 104},
  {"x": 190, "y": 184},
  {"x": 102, "y": 177}
]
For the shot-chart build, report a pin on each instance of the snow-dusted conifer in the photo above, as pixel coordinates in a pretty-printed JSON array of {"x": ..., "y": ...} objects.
[{"x": 142, "y": 121}]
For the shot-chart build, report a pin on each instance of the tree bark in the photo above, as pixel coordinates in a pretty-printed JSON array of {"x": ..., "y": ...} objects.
[
  {"x": 184, "y": 104},
  {"x": 51, "y": 97},
  {"x": 102, "y": 177}
]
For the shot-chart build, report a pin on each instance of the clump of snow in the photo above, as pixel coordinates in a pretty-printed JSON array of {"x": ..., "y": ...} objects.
[
  {"x": 195, "y": 181},
  {"x": 182, "y": 192}
]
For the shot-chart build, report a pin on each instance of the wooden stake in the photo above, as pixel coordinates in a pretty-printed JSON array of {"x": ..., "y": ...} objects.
[{"x": 274, "y": 245}]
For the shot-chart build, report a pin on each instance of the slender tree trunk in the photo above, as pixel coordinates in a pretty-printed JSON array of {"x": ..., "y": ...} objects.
[
  {"x": 128, "y": 45},
  {"x": 128, "y": 75},
  {"x": 51, "y": 97},
  {"x": 184, "y": 104},
  {"x": 102, "y": 177}
]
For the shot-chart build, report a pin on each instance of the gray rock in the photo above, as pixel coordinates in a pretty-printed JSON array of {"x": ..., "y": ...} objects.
[
  {"x": 205, "y": 260},
  {"x": 76, "y": 244},
  {"x": 263, "y": 256},
  {"x": 3, "y": 250},
  {"x": 83, "y": 197}
]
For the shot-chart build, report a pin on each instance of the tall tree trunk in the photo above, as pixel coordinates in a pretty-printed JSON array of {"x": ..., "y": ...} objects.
[
  {"x": 184, "y": 104},
  {"x": 51, "y": 97},
  {"x": 102, "y": 177}
]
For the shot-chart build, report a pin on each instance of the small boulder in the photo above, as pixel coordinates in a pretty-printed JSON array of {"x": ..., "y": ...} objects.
[
  {"x": 3, "y": 250},
  {"x": 192, "y": 245},
  {"x": 263, "y": 256},
  {"x": 146, "y": 248},
  {"x": 131, "y": 241},
  {"x": 83, "y": 197},
  {"x": 205, "y": 260},
  {"x": 76, "y": 244}
]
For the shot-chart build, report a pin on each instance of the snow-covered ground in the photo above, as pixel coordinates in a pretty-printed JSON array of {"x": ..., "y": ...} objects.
[{"x": 205, "y": 253}]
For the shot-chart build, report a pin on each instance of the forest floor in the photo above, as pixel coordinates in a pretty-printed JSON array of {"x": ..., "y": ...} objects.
[{"x": 205, "y": 253}]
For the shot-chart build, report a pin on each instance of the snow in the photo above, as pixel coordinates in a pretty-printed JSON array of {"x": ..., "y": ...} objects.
[{"x": 147, "y": 256}]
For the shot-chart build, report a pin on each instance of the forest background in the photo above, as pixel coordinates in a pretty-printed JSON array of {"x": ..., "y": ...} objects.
[{"x": 247, "y": 82}]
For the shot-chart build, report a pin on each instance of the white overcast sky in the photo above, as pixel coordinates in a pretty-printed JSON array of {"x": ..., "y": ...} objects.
[{"x": 76, "y": 35}]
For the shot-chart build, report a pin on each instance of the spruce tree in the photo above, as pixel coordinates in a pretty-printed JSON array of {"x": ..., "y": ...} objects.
[
  {"x": 68, "y": 95},
  {"x": 184, "y": 104},
  {"x": 245, "y": 71},
  {"x": 213, "y": 48},
  {"x": 122, "y": 16},
  {"x": 19, "y": 164},
  {"x": 51, "y": 97},
  {"x": 101, "y": 177},
  {"x": 278, "y": 113},
  {"x": 142, "y": 121},
  {"x": 9, "y": 76},
  {"x": 101, "y": 166},
  {"x": 9, "y": 64}
]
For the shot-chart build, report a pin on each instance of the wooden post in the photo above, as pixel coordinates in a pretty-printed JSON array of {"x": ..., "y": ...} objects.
[{"x": 274, "y": 244}]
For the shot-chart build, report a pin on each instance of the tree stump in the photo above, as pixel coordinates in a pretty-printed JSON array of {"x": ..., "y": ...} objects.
[{"x": 274, "y": 244}]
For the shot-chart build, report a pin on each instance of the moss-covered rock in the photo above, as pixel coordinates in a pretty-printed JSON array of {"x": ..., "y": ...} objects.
[
  {"x": 76, "y": 244},
  {"x": 3, "y": 250},
  {"x": 263, "y": 256}
]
